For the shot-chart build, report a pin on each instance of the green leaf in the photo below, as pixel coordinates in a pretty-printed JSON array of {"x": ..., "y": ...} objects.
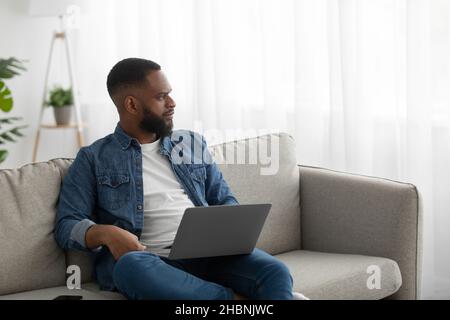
[
  {"x": 9, "y": 120},
  {"x": 5, "y": 136},
  {"x": 3, "y": 155},
  {"x": 6, "y": 100},
  {"x": 60, "y": 97},
  {"x": 10, "y": 68},
  {"x": 16, "y": 131}
]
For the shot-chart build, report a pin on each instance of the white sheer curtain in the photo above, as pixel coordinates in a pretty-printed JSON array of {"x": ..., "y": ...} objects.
[{"x": 362, "y": 85}]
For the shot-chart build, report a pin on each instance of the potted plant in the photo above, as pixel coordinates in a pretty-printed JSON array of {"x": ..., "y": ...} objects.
[
  {"x": 8, "y": 132},
  {"x": 61, "y": 100}
]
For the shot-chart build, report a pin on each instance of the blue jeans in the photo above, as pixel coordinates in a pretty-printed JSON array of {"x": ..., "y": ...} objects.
[{"x": 258, "y": 275}]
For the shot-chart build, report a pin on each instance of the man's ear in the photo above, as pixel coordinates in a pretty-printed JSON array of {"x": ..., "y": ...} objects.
[{"x": 130, "y": 104}]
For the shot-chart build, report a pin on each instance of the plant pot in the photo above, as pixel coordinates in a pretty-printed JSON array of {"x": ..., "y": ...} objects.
[{"x": 62, "y": 114}]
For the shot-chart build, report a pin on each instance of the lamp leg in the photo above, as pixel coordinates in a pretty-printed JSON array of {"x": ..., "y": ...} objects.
[
  {"x": 80, "y": 138},
  {"x": 74, "y": 84},
  {"x": 36, "y": 144},
  {"x": 44, "y": 94}
]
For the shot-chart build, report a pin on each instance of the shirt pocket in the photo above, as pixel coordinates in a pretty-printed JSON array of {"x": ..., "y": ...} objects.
[{"x": 114, "y": 190}]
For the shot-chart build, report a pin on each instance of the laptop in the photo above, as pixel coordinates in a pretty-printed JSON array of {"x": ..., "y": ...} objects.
[{"x": 219, "y": 231}]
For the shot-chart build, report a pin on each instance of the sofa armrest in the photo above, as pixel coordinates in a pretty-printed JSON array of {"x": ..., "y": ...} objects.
[{"x": 354, "y": 214}]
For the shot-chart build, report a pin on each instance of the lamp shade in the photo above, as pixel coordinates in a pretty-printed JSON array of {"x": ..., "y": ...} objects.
[{"x": 47, "y": 8}]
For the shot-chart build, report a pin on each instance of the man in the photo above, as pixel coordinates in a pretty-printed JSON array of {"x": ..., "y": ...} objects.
[{"x": 131, "y": 186}]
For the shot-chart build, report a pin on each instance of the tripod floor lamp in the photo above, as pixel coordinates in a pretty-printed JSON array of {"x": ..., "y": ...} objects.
[{"x": 57, "y": 8}]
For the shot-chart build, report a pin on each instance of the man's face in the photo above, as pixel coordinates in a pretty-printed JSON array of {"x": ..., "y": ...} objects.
[{"x": 157, "y": 106}]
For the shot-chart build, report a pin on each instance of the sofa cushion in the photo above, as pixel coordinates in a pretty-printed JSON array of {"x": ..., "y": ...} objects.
[
  {"x": 29, "y": 256},
  {"x": 317, "y": 275},
  {"x": 89, "y": 291},
  {"x": 259, "y": 181},
  {"x": 321, "y": 275}
]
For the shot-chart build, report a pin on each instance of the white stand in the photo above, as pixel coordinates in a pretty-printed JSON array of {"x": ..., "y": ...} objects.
[{"x": 78, "y": 124}]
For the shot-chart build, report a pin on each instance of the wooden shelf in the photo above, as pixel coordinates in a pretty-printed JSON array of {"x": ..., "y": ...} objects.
[{"x": 61, "y": 126}]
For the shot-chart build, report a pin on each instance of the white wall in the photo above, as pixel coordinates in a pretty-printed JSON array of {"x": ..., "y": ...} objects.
[{"x": 28, "y": 38}]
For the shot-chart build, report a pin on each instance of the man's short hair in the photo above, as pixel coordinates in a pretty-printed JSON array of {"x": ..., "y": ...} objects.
[{"x": 129, "y": 72}]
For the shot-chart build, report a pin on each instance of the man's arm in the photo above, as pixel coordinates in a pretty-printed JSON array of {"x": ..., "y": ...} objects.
[
  {"x": 119, "y": 241},
  {"x": 217, "y": 190},
  {"x": 74, "y": 228},
  {"x": 76, "y": 203}
]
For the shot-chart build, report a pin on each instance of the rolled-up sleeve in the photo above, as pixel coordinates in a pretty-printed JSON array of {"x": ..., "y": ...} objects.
[{"x": 78, "y": 233}]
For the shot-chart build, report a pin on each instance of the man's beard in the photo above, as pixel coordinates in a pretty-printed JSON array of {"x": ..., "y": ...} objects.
[{"x": 152, "y": 123}]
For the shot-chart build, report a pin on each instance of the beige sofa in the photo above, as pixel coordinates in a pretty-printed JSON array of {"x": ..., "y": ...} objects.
[{"x": 329, "y": 227}]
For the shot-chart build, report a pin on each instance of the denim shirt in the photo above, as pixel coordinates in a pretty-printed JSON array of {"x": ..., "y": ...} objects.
[{"x": 104, "y": 185}]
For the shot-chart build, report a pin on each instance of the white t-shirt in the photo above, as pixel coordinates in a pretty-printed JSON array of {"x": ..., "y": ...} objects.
[{"x": 164, "y": 200}]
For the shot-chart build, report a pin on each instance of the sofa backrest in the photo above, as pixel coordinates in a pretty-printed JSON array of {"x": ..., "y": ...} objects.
[
  {"x": 273, "y": 177},
  {"x": 29, "y": 256}
]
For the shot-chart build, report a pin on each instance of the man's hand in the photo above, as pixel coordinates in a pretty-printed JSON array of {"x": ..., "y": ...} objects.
[{"x": 118, "y": 240}]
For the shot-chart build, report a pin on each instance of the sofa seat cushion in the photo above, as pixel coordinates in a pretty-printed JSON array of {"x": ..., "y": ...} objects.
[
  {"x": 320, "y": 275},
  {"x": 89, "y": 291},
  {"x": 317, "y": 275}
]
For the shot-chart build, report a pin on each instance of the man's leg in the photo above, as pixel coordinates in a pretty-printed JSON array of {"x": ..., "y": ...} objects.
[
  {"x": 258, "y": 275},
  {"x": 143, "y": 275}
]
